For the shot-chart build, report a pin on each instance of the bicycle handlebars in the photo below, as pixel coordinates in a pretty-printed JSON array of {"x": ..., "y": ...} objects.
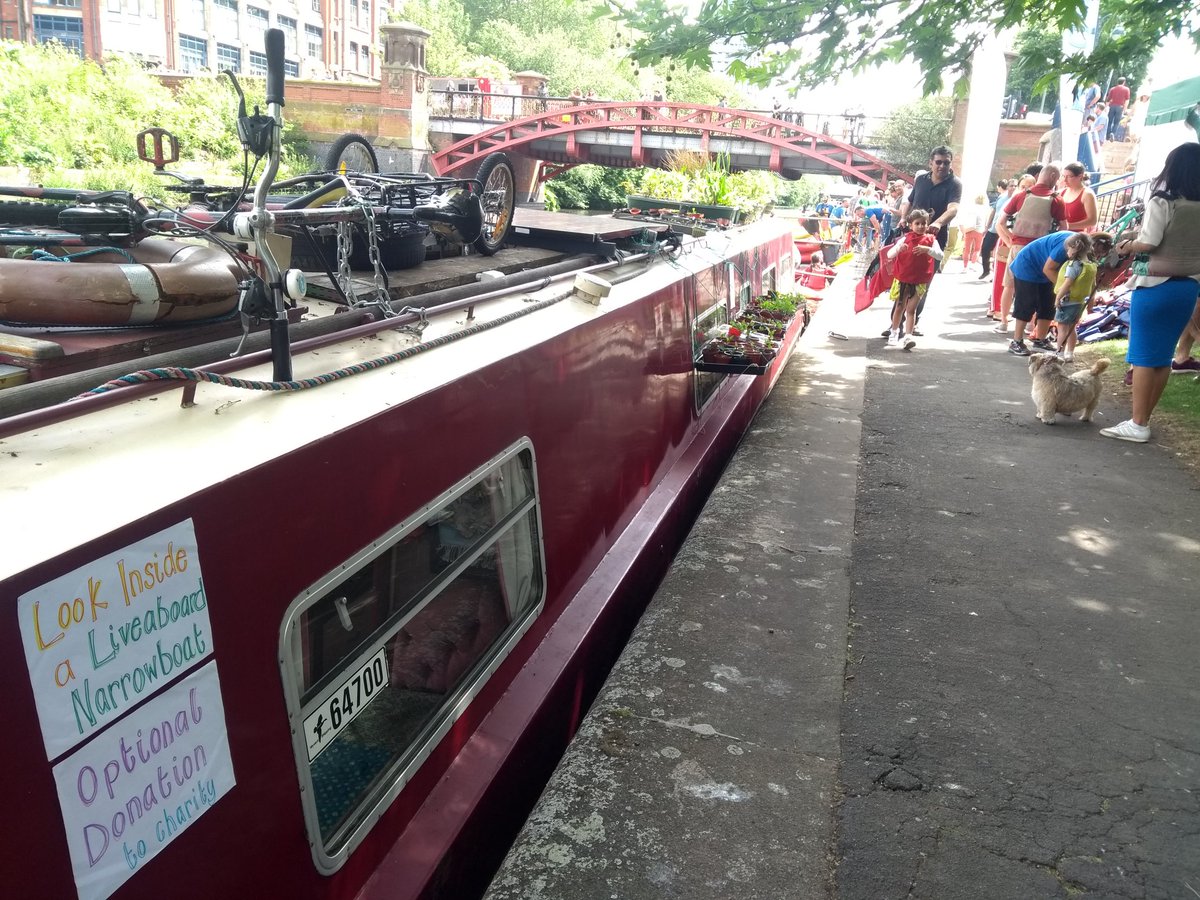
[{"x": 275, "y": 49}]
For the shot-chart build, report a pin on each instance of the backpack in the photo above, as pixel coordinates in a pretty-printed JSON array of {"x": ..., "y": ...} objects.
[{"x": 1034, "y": 218}]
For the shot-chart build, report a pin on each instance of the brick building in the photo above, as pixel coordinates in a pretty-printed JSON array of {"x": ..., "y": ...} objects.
[{"x": 335, "y": 39}]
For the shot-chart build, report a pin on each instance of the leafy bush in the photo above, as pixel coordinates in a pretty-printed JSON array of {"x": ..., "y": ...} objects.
[
  {"x": 588, "y": 187},
  {"x": 914, "y": 129},
  {"x": 74, "y": 123},
  {"x": 58, "y": 110},
  {"x": 665, "y": 185}
]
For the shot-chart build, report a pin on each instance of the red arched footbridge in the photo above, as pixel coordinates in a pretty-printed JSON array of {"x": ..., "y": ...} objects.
[{"x": 624, "y": 135}]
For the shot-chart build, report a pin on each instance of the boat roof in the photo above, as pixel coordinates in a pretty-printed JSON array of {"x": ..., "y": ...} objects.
[{"x": 130, "y": 459}]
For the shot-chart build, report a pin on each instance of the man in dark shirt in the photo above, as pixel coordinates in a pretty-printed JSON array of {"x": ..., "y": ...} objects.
[{"x": 938, "y": 191}]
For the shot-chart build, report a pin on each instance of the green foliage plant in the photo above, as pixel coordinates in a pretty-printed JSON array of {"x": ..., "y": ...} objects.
[
  {"x": 810, "y": 42},
  {"x": 71, "y": 122},
  {"x": 914, "y": 129}
]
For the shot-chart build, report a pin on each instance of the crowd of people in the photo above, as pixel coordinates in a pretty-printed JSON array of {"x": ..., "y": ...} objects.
[{"x": 1038, "y": 245}]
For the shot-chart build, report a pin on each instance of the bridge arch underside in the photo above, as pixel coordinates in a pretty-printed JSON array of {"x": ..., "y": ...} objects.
[{"x": 616, "y": 149}]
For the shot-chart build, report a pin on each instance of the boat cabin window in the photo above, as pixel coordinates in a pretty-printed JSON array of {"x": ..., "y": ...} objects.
[
  {"x": 384, "y": 653},
  {"x": 706, "y": 383},
  {"x": 768, "y": 280},
  {"x": 744, "y": 294}
]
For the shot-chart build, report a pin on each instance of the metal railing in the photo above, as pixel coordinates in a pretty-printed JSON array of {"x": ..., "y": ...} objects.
[
  {"x": 489, "y": 109},
  {"x": 1114, "y": 194}
]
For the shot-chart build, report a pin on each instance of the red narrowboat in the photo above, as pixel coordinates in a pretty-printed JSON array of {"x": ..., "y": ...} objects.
[{"x": 329, "y": 643}]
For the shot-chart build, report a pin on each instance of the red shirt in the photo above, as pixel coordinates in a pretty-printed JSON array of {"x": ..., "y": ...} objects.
[
  {"x": 910, "y": 268},
  {"x": 1058, "y": 211},
  {"x": 1118, "y": 95}
]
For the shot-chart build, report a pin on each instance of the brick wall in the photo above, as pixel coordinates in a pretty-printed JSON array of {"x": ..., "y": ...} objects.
[{"x": 1016, "y": 147}]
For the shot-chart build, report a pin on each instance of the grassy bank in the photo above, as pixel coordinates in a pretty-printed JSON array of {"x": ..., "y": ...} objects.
[{"x": 1176, "y": 421}]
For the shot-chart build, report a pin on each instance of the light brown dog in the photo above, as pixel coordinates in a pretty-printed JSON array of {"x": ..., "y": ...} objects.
[{"x": 1054, "y": 391}]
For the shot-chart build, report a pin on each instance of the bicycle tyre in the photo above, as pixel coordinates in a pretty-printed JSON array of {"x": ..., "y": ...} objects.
[
  {"x": 350, "y": 146},
  {"x": 396, "y": 252},
  {"x": 31, "y": 213},
  {"x": 496, "y": 174}
]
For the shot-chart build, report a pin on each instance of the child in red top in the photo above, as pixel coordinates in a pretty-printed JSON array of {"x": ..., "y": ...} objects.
[
  {"x": 816, "y": 275},
  {"x": 916, "y": 256}
]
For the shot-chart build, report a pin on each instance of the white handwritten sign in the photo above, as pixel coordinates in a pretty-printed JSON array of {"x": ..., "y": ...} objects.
[
  {"x": 106, "y": 636},
  {"x": 132, "y": 790}
]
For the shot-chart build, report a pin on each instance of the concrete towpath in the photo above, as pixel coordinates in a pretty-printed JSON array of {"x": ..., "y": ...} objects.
[{"x": 918, "y": 645}]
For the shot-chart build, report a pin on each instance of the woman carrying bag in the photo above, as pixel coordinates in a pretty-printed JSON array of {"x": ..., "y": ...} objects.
[{"x": 1167, "y": 282}]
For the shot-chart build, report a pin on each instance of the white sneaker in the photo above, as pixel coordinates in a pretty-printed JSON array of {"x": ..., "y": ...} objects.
[
  {"x": 1068, "y": 356},
  {"x": 909, "y": 343},
  {"x": 893, "y": 341},
  {"x": 1128, "y": 430}
]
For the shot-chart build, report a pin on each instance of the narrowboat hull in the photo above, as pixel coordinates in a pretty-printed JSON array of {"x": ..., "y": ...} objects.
[{"x": 279, "y": 491}]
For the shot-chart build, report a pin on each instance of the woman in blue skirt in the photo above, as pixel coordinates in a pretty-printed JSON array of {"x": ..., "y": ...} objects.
[{"x": 1166, "y": 285}]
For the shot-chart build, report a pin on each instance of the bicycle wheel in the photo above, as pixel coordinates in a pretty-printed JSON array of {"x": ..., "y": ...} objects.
[
  {"x": 352, "y": 153},
  {"x": 499, "y": 200}
]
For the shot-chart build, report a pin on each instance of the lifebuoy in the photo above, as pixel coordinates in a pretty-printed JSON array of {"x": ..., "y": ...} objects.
[{"x": 168, "y": 282}]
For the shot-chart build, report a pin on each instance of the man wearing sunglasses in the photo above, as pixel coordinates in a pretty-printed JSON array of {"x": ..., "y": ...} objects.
[{"x": 939, "y": 191}]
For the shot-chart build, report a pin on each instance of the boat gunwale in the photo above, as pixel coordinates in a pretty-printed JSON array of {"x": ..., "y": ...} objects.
[{"x": 81, "y": 406}]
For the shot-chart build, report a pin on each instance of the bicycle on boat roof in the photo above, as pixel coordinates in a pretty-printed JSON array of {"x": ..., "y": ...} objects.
[{"x": 347, "y": 216}]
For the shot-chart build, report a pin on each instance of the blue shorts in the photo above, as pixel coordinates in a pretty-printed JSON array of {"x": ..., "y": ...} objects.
[
  {"x": 1157, "y": 317},
  {"x": 1069, "y": 313}
]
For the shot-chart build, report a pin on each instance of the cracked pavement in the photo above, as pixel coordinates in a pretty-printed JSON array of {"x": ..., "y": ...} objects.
[
  {"x": 918, "y": 645},
  {"x": 1020, "y": 716}
]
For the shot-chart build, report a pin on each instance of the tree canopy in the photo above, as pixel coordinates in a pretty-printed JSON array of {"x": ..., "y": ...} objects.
[
  {"x": 905, "y": 138},
  {"x": 571, "y": 42},
  {"x": 809, "y": 42}
]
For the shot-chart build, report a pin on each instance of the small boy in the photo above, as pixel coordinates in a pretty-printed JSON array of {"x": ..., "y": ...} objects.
[{"x": 916, "y": 256}]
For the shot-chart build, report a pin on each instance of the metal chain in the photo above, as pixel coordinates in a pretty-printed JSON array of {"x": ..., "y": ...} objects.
[
  {"x": 345, "y": 238},
  {"x": 416, "y": 329},
  {"x": 382, "y": 297},
  {"x": 345, "y": 244}
]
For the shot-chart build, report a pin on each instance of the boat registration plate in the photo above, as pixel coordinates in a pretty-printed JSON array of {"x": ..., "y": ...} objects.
[{"x": 344, "y": 704}]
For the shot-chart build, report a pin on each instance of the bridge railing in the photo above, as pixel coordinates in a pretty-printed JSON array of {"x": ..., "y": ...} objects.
[{"x": 488, "y": 109}]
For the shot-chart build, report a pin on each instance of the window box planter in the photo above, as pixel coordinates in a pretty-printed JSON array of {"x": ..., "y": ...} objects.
[{"x": 684, "y": 207}]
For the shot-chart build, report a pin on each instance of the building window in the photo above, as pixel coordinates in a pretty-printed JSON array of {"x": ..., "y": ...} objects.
[
  {"x": 354, "y": 55},
  {"x": 316, "y": 5},
  {"x": 229, "y": 58},
  {"x": 366, "y": 59},
  {"x": 256, "y": 22},
  {"x": 193, "y": 53},
  {"x": 384, "y": 653},
  {"x": 258, "y": 63},
  {"x": 67, "y": 31},
  {"x": 314, "y": 38},
  {"x": 225, "y": 19},
  {"x": 69, "y": 4},
  {"x": 366, "y": 15},
  {"x": 291, "y": 68},
  {"x": 149, "y": 8},
  {"x": 288, "y": 27},
  {"x": 114, "y": 6}
]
